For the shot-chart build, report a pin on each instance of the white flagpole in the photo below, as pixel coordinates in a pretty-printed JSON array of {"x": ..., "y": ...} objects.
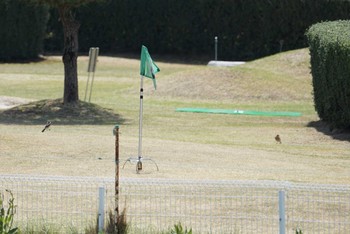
[{"x": 140, "y": 119}]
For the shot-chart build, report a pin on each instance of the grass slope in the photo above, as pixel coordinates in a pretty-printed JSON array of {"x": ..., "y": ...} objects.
[{"x": 280, "y": 78}]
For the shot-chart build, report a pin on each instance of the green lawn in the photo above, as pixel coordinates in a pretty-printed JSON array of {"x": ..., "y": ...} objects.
[{"x": 185, "y": 145}]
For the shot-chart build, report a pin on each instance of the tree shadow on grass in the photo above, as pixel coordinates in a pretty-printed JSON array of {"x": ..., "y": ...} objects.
[
  {"x": 53, "y": 110},
  {"x": 337, "y": 134}
]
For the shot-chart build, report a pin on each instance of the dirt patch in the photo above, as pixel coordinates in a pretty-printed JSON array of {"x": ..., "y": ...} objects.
[{"x": 7, "y": 102}]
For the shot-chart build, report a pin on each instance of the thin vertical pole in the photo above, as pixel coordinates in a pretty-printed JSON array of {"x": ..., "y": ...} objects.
[
  {"x": 116, "y": 133},
  {"x": 101, "y": 205},
  {"x": 92, "y": 82},
  {"x": 216, "y": 48},
  {"x": 282, "y": 215},
  {"x": 89, "y": 72},
  {"x": 93, "y": 54},
  {"x": 140, "y": 120},
  {"x": 87, "y": 85}
]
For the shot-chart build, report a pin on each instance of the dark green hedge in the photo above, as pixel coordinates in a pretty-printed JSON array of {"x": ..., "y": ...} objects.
[
  {"x": 247, "y": 29},
  {"x": 22, "y": 29},
  {"x": 330, "y": 65}
]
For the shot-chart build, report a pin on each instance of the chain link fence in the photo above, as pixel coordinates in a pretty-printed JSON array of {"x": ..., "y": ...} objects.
[{"x": 71, "y": 204}]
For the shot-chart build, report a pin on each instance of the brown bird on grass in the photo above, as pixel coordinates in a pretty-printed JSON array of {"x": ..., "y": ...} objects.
[
  {"x": 48, "y": 124},
  {"x": 278, "y": 139}
]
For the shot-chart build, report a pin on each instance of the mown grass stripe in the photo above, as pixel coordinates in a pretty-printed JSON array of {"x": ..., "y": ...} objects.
[{"x": 239, "y": 112}]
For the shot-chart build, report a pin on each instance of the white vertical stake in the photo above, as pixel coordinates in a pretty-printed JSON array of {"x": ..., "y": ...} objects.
[
  {"x": 282, "y": 212},
  {"x": 216, "y": 48},
  {"x": 101, "y": 205},
  {"x": 87, "y": 86},
  {"x": 140, "y": 120},
  {"x": 93, "y": 54},
  {"x": 96, "y": 50}
]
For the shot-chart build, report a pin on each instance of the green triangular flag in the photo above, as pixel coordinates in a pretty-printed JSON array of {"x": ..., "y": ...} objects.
[{"x": 148, "y": 68}]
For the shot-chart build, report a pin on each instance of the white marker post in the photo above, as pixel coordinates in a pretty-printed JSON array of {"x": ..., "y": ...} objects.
[
  {"x": 93, "y": 54},
  {"x": 216, "y": 48},
  {"x": 139, "y": 163}
]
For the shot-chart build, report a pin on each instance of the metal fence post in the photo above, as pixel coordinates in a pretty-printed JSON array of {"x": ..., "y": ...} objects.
[
  {"x": 101, "y": 205},
  {"x": 282, "y": 213}
]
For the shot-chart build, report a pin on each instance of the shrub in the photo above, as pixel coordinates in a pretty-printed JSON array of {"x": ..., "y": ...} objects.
[
  {"x": 330, "y": 67},
  {"x": 22, "y": 29},
  {"x": 246, "y": 29}
]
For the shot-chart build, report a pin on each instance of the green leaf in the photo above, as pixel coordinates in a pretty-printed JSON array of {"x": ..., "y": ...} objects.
[{"x": 12, "y": 231}]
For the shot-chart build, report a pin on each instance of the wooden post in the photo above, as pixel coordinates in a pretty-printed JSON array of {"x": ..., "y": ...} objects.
[{"x": 116, "y": 134}]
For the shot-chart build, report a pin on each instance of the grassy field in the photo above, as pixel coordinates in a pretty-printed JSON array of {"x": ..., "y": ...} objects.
[{"x": 184, "y": 145}]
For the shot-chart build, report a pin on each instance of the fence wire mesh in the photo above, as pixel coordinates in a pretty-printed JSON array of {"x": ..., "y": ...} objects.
[{"x": 70, "y": 204}]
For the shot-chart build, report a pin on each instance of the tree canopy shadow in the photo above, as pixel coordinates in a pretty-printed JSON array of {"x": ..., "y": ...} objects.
[
  {"x": 53, "y": 110},
  {"x": 325, "y": 128}
]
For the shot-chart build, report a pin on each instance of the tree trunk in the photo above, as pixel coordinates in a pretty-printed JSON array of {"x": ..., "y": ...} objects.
[{"x": 70, "y": 55}]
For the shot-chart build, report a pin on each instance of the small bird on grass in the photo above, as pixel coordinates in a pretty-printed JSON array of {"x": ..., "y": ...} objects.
[
  {"x": 278, "y": 139},
  {"x": 48, "y": 124}
]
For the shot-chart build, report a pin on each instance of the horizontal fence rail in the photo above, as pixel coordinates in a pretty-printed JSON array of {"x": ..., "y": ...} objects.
[{"x": 73, "y": 204}]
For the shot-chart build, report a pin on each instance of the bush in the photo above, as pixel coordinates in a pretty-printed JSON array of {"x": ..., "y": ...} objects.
[
  {"x": 22, "y": 29},
  {"x": 330, "y": 67},
  {"x": 247, "y": 29}
]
